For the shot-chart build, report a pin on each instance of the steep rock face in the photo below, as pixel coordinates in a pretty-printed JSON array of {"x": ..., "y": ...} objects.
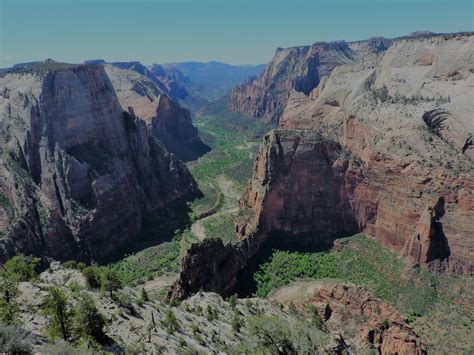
[
  {"x": 298, "y": 69},
  {"x": 361, "y": 319},
  {"x": 304, "y": 185},
  {"x": 167, "y": 120},
  {"x": 77, "y": 173},
  {"x": 385, "y": 112}
]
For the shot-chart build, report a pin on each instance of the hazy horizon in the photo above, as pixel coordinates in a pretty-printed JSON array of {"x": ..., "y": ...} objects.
[{"x": 235, "y": 32}]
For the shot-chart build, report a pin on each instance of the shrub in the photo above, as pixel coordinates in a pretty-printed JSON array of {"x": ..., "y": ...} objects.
[
  {"x": 70, "y": 264},
  {"x": 236, "y": 322},
  {"x": 110, "y": 282},
  {"x": 14, "y": 340},
  {"x": 92, "y": 276},
  {"x": 170, "y": 322},
  {"x": 211, "y": 313},
  {"x": 233, "y": 301},
  {"x": 20, "y": 268},
  {"x": 144, "y": 295}
]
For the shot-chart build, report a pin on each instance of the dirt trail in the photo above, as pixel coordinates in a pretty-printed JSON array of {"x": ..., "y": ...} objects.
[{"x": 231, "y": 198}]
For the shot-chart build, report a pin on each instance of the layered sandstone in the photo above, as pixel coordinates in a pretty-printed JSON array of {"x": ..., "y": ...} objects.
[
  {"x": 298, "y": 69},
  {"x": 381, "y": 145},
  {"x": 139, "y": 94},
  {"x": 77, "y": 172}
]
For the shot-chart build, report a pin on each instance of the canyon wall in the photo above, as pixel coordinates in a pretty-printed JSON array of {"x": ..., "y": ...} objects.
[
  {"x": 382, "y": 145},
  {"x": 297, "y": 69},
  {"x": 406, "y": 116},
  {"x": 77, "y": 173},
  {"x": 140, "y": 93}
]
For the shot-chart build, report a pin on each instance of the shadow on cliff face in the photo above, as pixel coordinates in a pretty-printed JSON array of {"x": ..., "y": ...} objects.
[
  {"x": 438, "y": 248},
  {"x": 157, "y": 227},
  {"x": 303, "y": 243}
]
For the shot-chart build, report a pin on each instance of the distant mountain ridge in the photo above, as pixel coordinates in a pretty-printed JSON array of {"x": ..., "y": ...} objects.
[{"x": 213, "y": 79}]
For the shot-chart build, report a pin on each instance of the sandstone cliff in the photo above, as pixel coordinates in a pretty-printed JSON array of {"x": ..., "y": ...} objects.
[
  {"x": 405, "y": 117},
  {"x": 297, "y": 69},
  {"x": 381, "y": 145},
  {"x": 141, "y": 94},
  {"x": 77, "y": 172}
]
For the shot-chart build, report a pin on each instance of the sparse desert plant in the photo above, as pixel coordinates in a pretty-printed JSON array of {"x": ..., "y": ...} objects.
[{"x": 14, "y": 340}]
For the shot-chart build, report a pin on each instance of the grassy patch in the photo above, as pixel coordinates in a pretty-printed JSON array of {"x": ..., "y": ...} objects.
[
  {"x": 221, "y": 226},
  {"x": 148, "y": 263}
]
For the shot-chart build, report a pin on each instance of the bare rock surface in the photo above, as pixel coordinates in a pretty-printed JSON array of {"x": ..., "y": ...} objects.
[
  {"x": 362, "y": 320},
  {"x": 142, "y": 95},
  {"x": 77, "y": 172}
]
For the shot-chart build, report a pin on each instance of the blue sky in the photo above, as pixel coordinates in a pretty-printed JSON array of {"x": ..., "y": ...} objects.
[{"x": 232, "y": 31}]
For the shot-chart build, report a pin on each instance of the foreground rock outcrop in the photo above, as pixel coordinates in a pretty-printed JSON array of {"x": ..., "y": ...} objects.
[
  {"x": 77, "y": 173},
  {"x": 361, "y": 320},
  {"x": 326, "y": 319}
]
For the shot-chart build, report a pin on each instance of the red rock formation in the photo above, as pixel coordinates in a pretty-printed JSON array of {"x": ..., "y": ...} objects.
[
  {"x": 297, "y": 69},
  {"x": 303, "y": 183},
  {"x": 349, "y": 309}
]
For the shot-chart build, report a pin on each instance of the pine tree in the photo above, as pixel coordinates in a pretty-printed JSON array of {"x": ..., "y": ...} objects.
[
  {"x": 56, "y": 309},
  {"x": 110, "y": 282},
  {"x": 88, "y": 321}
]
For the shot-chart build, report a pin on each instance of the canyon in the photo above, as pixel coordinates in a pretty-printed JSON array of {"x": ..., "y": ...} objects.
[
  {"x": 374, "y": 137},
  {"x": 362, "y": 183}
]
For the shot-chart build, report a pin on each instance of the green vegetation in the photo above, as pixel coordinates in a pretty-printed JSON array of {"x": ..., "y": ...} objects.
[
  {"x": 110, "y": 282},
  {"x": 156, "y": 260},
  {"x": 89, "y": 323},
  {"x": 60, "y": 316},
  {"x": 285, "y": 267},
  {"x": 17, "y": 269},
  {"x": 170, "y": 322},
  {"x": 92, "y": 274},
  {"x": 437, "y": 307},
  {"x": 360, "y": 261},
  {"x": 14, "y": 340},
  {"x": 221, "y": 226},
  {"x": 274, "y": 335}
]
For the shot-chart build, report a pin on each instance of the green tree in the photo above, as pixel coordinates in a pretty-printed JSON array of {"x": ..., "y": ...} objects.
[
  {"x": 92, "y": 276},
  {"x": 170, "y": 322},
  {"x": 144, "y": 295},
  {"x": 8, "y": 304},
  {"x": 236, "y": 322},
  {"x": 89, "y": 323},
  {"x": 56, "y": 309},
  {"x": 110, "y": 281},
  {"x": 20, "y": 268},
  {"x": 17, "y": 269},
  {"x": 233, "y": 301}
]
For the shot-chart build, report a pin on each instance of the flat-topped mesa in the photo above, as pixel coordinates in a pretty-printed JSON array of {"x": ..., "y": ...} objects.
[
  {"x": 141, "y": 96},
  {"x": 297, "y": 69},
  {"x": 77, "y": 173}
]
